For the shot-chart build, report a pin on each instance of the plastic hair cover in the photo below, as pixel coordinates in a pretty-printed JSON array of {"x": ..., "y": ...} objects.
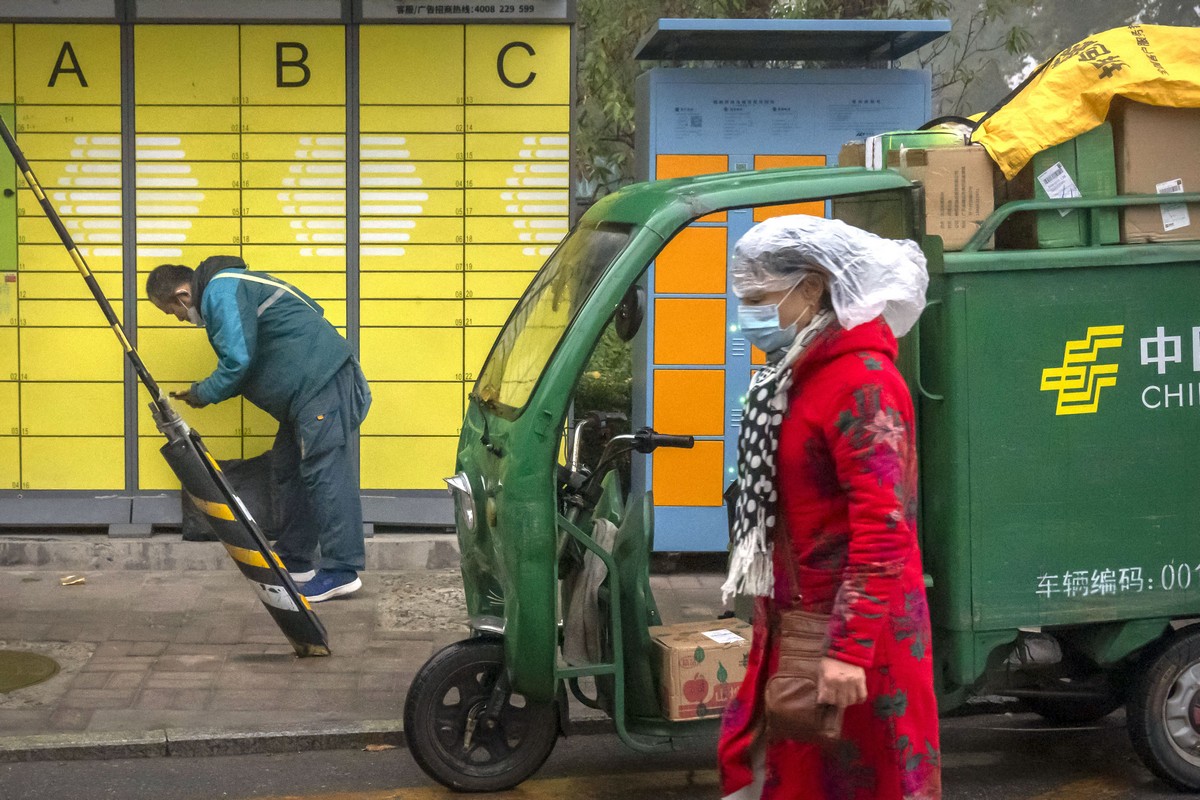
[{"x": 868, "y": 275}]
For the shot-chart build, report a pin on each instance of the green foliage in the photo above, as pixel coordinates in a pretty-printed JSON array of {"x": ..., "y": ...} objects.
[
  {"x": 984, "y": 32},
  {"x": 607, "y": 382}
]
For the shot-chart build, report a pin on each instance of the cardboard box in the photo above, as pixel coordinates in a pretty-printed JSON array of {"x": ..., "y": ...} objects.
[
  {"x": 1081, "y": 167},
  {"x": 702, "y": 665},
  {"x": 873, "y": 151},
  {"x": 1155, "y": 155},
  {"x": 958, "y": 189}
]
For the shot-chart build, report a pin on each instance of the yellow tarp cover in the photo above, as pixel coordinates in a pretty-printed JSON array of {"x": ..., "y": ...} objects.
[{"x": 1069, "y": 94}]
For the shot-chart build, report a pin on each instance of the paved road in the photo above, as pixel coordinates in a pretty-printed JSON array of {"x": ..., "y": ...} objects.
[{"x": 1001, "y": 757}]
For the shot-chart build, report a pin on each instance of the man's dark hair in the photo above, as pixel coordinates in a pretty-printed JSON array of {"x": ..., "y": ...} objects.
[{"x": 165, "y": 280}]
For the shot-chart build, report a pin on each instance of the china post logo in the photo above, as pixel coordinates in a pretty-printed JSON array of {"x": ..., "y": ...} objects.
[{"x": 1080, "y": 378}]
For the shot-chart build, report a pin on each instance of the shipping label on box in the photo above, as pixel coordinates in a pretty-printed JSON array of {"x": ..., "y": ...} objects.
[{"x": 702, "y": 666}]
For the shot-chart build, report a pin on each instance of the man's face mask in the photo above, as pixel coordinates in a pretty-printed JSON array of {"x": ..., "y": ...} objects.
[{"x": 193, "y": 315}]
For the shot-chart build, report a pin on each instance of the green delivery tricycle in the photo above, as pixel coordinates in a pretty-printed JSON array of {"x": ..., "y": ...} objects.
[{"x": 1058, "y": 402}]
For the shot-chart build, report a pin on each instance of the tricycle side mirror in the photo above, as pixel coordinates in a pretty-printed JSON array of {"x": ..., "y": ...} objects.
[{"x": 630, "y": 313}]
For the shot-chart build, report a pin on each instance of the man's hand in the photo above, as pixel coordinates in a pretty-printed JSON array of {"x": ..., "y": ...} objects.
[
  {"x": 190, "y": 397},
  {"x": 841, "y": 684}
]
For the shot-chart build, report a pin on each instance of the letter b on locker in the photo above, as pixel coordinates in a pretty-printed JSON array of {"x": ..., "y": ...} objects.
[
  {"x": 527, "y": 64},
  {"x": 293, "y": 65}
]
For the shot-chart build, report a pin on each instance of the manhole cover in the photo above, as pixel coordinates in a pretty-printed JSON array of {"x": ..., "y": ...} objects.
[{"x": 18, "y": 669}]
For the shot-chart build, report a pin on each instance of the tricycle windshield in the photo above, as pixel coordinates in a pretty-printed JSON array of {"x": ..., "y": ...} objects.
[{"x": 545, "y": 312}]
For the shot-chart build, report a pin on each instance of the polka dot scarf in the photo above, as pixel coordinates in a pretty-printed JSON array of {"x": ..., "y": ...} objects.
[{"x": 750, "y": 565}]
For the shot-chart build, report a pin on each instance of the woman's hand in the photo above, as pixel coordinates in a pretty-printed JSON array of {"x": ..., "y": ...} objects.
[{"x": 841, "y": 684}]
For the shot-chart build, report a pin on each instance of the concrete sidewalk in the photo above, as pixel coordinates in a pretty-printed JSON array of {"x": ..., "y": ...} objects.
[{"x": 166, "y": 650}]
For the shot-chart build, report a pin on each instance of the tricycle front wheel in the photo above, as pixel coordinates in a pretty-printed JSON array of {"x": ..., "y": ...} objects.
[
  {"x": 449, "y": 734},
  {"x": 1164, "y": 713}
]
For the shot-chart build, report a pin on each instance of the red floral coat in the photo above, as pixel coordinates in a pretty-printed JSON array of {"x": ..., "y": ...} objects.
[{"x": 848, "y": 488}]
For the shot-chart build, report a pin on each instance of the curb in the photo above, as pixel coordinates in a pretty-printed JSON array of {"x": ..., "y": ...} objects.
[{"x": 196, "y": 743}]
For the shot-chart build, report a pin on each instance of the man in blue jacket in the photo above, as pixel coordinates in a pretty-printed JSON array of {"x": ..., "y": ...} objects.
[{"x": 275, "y": 348}]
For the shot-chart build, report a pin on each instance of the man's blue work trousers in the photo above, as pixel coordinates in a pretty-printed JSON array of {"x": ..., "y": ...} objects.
[{"x": 316, "y": 480}]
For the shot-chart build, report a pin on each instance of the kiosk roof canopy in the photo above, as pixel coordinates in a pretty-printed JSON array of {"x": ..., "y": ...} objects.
[{"x": 787, "y": 39}]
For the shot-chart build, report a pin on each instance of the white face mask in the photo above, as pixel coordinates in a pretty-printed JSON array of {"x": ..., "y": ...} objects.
[{"x": 193, "y": 315}]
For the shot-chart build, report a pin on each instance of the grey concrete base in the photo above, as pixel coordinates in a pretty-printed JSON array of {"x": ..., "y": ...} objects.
[
  {"x": 130, "y": 531},
  {"x": 76, "y": 746},
  {"x": 79, "y": 552}
]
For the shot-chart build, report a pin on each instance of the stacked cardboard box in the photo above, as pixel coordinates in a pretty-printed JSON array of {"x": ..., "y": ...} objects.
[{"x": 1156, "y": 154}]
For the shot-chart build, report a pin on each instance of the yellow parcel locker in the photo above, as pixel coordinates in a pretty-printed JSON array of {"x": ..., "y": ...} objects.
[
  {"x": 6, "y": 69},
  {"x": 59, "y": 286},
  {"x": 178, "y": 146},
  {"x": 504, "y": 119},
  {"x": 10, "y": 462},
  {"x": 71, "y": 354},
  {"x": 190, "y": 175},
  {"x": 178, "y": 232},
  {"x": 392, "y": 406},
  {"x": 434, "y": 257},
  {"x": 92, "y": 230},
  {"x": 533, "y": 147},
  {"x": 192, "y": 119},
  {"x": 411, "y": 462},
  {"x": 310, "y": 119},
  {"x": 411, "y": 147},
  {"x": 497, "y": 284},
  {"x": 284, "y": 258},
  {"x": 516, "y": 230},
  {"x": 503, "y": 257},
  {"x": 185, "y": 64},
  {"x": 294, "y": 202},
  {"x": 429, "y": 57},
  {"x": 73, "y": 409},
  {"x": 150, "y": 256},
  {"x": 294, "y": 65},
  {"x": 488, "y": 312},
  {"x": 317, "y": 285},
  {"x": 416, "y": 230},
  {"x": 46, "y": 257},
  {"x": 10, "y": 410},
  {"x": 412, "y": 313},
  {"x": 313, "y": 176},
  {"x": 416, "y": 285},
  {"x": 412, "y": 354},
  {"x": 153, "y": 472},
  {"x": 76, "y": 174},
  {"x": 62, "y": 64},
  {"x": 188, "y": 203},
  {"x": 518, "y": 174},
  {"x": 411, "y": 202},
  {"x": 411, "y": 175},
  {"x": 257, "y": 422},
  {"x": 74, "y": 462},
  {"x": 219, "y": 419},
  {"x": 294, "y": 146},
  {"x": 67, "y": 119},
  {"x": 518, "y": 64},
  {"x": 62, "y": 313},
  {"x": 517, "y": 202},
  {"x": 256, "y": 445},
  {"x": 179, "y": 354},
  {"x": 479, "y": 343},
  {"x": 8, "y": 357},
  {"x": 74, "y": 147},
  {"x": 284, "y": 230},
  {"x": 411, "y": 119}
]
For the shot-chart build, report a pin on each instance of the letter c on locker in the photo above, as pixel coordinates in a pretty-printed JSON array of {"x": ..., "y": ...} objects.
[
  {"x": 297, "y": 63},
  {"x": 507, "y": 81}
]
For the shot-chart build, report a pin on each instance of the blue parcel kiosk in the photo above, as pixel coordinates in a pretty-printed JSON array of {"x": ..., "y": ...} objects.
[{"x": 691, "y": 367}]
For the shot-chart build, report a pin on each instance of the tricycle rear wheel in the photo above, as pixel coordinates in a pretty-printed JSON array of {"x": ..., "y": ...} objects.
[
  {"x": 1164, "y": 713},
  {"x": 448, "y": 734}
]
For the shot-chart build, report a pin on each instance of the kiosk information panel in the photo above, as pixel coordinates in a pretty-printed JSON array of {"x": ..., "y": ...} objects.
[{"x": 691, "y": 367}]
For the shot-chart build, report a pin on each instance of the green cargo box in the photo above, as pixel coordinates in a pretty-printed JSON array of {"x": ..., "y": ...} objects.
[
  {"x": 1085, "y": 165},
  {"x": 1059, "y": 415}
]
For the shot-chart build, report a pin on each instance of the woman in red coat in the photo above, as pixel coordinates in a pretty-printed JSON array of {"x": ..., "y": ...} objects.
[{"x": 827, "y": 448}]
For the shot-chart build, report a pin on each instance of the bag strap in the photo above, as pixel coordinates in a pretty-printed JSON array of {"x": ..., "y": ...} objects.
[
  {"x": 789, "y": 555},
  {"x": 282, "y": 287}
]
